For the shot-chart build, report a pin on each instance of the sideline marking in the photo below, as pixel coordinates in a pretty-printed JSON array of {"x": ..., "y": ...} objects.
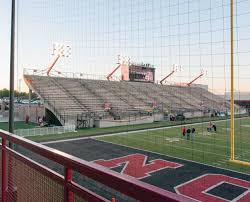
[
  {"x": 227, "y": 129},
  {"x": 173, "y": 139},
  {"x": 247, "y": 126},
  {"x": 206, "y": 133}
]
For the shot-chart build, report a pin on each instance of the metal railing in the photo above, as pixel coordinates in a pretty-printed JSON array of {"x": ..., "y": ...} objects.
[
  {"x": 62, "y": 186},
  {"x": 45, "y": 130},
  {"x": 73, "y": 75}
]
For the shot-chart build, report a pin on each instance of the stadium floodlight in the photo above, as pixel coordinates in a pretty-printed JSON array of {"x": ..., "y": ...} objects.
[
  {"x": 62, "y": 49},
  {"x": 59, "y": 50},
  {"x": 125, "y": 60},
  {"x": 119, "y": 59},
  {"x": 175, "y": 69}
]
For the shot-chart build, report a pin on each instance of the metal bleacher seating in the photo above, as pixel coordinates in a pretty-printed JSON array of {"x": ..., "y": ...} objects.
[{"x": 73, "y": 96}]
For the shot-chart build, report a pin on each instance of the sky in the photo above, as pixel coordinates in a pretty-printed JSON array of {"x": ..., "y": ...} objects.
[
  {"x": 4, "y": 43},
  {"x": 191, "y": 33}
]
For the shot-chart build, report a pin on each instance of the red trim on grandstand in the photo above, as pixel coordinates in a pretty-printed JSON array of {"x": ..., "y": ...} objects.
[{"x": 126, "y": 185}]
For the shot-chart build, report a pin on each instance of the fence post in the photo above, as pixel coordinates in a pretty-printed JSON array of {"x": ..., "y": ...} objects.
[
  {"x": 68, "y": 195},
  {"x": 4, "y": 171}
]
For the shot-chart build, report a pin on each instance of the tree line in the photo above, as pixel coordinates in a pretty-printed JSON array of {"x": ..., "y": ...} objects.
[{"x": 22, "y": 95}]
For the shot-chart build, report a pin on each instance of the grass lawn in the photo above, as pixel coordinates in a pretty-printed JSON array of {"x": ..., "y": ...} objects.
[
  {"x": 17, "y": 125},
  {"x": 100, "y": 131},
  {"x": 209, "y": 148}
]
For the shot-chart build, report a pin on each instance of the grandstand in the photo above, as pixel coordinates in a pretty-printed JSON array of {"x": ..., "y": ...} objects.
[{"x": 82, "y": 101}]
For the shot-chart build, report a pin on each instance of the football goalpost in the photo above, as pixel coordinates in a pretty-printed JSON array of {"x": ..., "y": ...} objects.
[{"x": 232, "y": 121}]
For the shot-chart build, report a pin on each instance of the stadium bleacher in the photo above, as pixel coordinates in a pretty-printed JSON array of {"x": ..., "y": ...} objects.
[{"x": 74, "y": 96}]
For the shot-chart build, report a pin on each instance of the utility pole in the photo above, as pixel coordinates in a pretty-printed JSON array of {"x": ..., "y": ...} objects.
[{"x": 12, "y": 69}]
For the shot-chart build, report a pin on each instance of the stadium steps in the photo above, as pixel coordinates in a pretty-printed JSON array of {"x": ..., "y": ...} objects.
[
  {"x": 186, "y": 95},
  {"x": 136, "y": 100},
  {"x": 84, "y": 96},
  {"x": 159, "y": 97},
  {"x": 180, "y": 101},
  {"x": 124, "y": 94},
  {"x": 112, "y": 96},
  {"x": 142, "y": 89},
  {"x": 118, "y": 105},
  {"x": 210, "y": 100},
  {"x": 55, "y": 97},
  {"x": 95, "y": 95},
  {"x": 37, "y": 84},
  {"x": 74, "y": 98}
]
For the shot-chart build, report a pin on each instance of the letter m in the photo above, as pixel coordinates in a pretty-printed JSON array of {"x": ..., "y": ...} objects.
[{"x": 135, "y": 165}]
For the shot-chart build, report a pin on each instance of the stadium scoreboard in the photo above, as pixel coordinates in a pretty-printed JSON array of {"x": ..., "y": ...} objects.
[{"x": 138, "y": 73}]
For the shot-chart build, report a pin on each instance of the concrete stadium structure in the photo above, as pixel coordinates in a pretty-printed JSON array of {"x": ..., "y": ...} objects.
[{"x": 100, "y": 103}]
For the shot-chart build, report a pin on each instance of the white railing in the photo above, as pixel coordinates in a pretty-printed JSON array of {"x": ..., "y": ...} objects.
[
  {"x": 73, "y": 75},
  {"x": 45, "y": 130}
]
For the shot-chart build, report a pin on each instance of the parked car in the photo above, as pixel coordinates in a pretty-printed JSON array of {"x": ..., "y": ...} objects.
[
  {"x": 37, "y": 102},
  {"x": 180, "y": 117},
  {"x": 222, "y": 114},
  {"x": 24, "y": 101}
]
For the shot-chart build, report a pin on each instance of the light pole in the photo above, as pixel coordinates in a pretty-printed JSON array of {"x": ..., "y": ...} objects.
[{"x": 12, "y": 69}]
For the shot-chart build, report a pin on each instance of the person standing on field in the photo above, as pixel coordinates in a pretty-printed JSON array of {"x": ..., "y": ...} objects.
[
  {"x": 183, "y": 131},
  {"x": 210, "y": 126},
  {"x": 192, "y": 133},
  {"x": 215, "y": 128},
  {"x": 188, "y": 133}
]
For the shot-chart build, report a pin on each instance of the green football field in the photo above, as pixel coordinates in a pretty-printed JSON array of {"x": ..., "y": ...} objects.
[
  {"x": 86, "y": 132},
  {"x": 207, "y": 147},
  {"x": 17, "y": 125}
]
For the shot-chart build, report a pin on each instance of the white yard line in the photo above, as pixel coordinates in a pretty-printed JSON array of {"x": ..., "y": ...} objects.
[{"x": 131, "y": 132}]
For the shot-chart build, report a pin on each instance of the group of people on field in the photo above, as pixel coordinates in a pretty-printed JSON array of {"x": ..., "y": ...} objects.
[{"x": 188, "y": 132}]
